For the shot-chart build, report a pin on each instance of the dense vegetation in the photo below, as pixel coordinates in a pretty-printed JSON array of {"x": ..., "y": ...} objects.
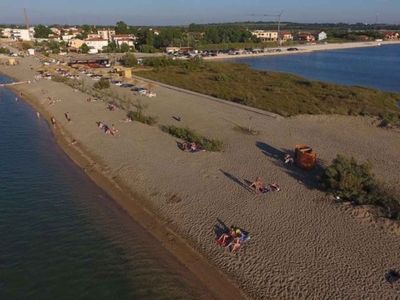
[
  {"x": 4, "y": 50},
  {"x": 283, "y": 94},
  {"x": 191, "y": 136},
  {"x": 42, "y": 32},
  {"x": 129, "y": 60},
  {"x": 102, "y": 84},
  {"x": 355, "y": 182}
]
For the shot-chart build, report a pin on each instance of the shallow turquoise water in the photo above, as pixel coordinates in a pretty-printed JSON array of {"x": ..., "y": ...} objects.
[
  {"x": 376, "y": 67},
  {"x": 61, "y": 236}
]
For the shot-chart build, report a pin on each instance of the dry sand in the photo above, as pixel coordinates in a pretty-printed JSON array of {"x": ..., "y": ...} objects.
[
  {"x": 302, "y": 245},
  {"x": 307, "y": 48}
]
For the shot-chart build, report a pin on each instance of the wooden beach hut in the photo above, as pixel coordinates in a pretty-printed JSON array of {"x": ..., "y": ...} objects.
[{"x": 305, "y": 157}]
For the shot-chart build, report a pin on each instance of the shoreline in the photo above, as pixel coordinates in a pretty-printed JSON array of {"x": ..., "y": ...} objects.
[
  {"x": 190, "y": 193},
  {"x": 306, "y": 49},
  {"x": 138, "y": 210}
]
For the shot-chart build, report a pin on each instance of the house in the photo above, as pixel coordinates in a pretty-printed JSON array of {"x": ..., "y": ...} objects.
[
  {"x": 68, "y": 37},
  {"x": 55, "y": 31},
  {"x": 96, "y": 44},
  {"x": 265, "y": 35},
  {"x": 22, "y": 34},
  {"x": 106, "y": 34},
  {"x": 93, "y": 36},
  {"x": 286, "y": 36},
  {"x": 75, "y": 44},
  {"x": 362, "y": 38},
  {"x": 120, "y": 39},
  {"x": 390, "y": 35},
  {"x": 7, "y": 32},
  {"x": 305, "y": 37},
  {"x": 172, "y": 50},
  {"x": 322, "y": 36}
]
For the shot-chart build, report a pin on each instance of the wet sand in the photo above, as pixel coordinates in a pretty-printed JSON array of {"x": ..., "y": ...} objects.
[{"x": 302, "y": 244}]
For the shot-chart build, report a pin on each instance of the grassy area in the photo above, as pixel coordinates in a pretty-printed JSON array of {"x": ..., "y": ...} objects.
[
  {"x": 140, "y": 117},
  {"x": 351, "y": 181},
  {"x": 191, "y": 136},
  {"x": 284, "y": 94}
]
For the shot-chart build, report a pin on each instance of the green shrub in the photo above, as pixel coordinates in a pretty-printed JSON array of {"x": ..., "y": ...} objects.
[
  {"x": 4, "y": 50},
  {"x": 191, "y": 136},
  {"x": 102, "y": 84},
  {"x": 129, "y": 60},
  {"x": 355, "y": 182},
  {"x": 389, "y": 120},
  {"x": 58, "y": 78},
  {"x": 142, "y": 118}
]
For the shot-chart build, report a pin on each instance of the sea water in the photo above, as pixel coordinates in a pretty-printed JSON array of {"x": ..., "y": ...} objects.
[
  {"x": 375, "y": 67},
  {"x": 62, "y": 237}
]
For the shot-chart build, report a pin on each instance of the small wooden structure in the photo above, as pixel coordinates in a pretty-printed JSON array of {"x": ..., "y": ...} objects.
[
  {"x": 305, "y": 157},
  {"x": 126, "y": 73}
]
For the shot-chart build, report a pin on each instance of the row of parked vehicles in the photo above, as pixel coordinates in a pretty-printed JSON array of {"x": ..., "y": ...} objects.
[{"x": 140, "y": 90}]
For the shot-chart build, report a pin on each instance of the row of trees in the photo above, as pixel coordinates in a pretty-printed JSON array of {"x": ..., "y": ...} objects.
[{"x": 149, "y": 40}]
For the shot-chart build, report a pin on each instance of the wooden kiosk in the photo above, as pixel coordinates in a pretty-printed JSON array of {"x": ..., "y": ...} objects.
[{"x": 305, "y": 157}]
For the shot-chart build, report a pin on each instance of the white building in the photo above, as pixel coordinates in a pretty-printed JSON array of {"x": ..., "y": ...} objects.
[
  {"x": 22, "y": 34},
  {"x": 96, "y": 44},
  {"x": 265, "y": 35},
  {"x": 106, "y": 34},
  {"x": 55, "y": 30},
  {"x": 68, "y": 37},
  {"x": 124, "y": 39},
  {"x": 7, "y": 32},
  {"x": 322, "y": 36}
]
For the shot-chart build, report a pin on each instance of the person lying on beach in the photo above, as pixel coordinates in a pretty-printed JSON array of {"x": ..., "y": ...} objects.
[
  {"x": 190, "y": 147},
  {"x": 259, "y": 186},
  {"x": 235, "y": 245},
  {"x": 111, "y": 107},
  {"x": 274, "y": 187},
  {"x": 113, "y": 130},
  {"x": 224, "y": 239},
  {"x": 288, "y": 159},
  {"x": 100, "y": 125},
  {"x": 53, "y": 121},
  {"x": 107, "y": 129},
  {"x": 127, "y": 120},
  {"x": 67, "y": 117}
]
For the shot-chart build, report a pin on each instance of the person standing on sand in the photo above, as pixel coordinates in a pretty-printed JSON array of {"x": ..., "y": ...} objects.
[{"x": 67, "y": 116}]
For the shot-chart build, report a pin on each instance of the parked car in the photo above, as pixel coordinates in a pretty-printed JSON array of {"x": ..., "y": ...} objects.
[
  {"x": 116, "y": 82},
  {"x": 127, "y": 85},
  {"x": 292, "y": 49}
]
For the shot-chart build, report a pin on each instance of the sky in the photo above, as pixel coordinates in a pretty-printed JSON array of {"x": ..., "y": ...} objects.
[{"x": 183, "y": 12}]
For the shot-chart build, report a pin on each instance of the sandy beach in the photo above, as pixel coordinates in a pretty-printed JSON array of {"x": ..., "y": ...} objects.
[
  {"x": 307, "y": 49},
  {"x": 303, "y": 245}
]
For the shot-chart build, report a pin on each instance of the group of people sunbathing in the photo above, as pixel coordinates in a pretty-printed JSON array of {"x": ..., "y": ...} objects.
[
  {"x": 233, "y": 239},
  {"x": 190, "y": 147},
  {"x": 107, "y": 130},
  {"x": 260, "y": 188}
]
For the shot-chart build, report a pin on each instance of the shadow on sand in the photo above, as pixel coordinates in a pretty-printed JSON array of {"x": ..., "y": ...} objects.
[
  {"x": 310, "y": 179},
  {"x": 244, "y": 183}
]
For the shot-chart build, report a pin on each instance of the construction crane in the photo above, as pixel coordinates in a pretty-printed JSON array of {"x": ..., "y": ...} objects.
[
  {"x": 26, "y": 19},
  {"x": 279, "y": 16}
]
